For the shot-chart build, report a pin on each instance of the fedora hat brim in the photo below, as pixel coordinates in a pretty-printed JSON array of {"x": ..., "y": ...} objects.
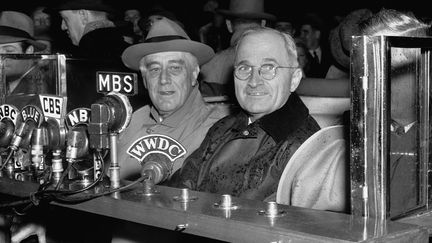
[
  {"x": 81, "y": 5},
  {"x": 133, "y": 54},
  {"x": 11, "y": 35},
  {"x": 336, "y": 49},
  {"x": 246, "y": 15}
]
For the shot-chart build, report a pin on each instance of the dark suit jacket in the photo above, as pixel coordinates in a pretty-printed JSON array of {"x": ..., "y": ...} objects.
[{"x": 319, "y": 70}]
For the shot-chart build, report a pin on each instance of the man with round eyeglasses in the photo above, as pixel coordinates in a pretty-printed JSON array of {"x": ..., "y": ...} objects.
[{"x": 244, "y": 154}]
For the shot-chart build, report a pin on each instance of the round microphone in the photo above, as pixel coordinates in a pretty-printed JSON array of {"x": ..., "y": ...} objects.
[
  {"x": 39, "y": 141},
  {"x": 155, "y": 171},
  {"x": 116, "y": 111},
  {"x": 77, "y": 144},
  {"x": 109, "y": 115},
  {"x": 55, "y": 133},
  {"x": 10, "y": 119},
  {"x": 32, "y": 117},
  {"x": 7, "y": 129}
]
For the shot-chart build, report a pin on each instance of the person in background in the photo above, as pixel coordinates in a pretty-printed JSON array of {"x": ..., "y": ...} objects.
[
  {"x": 133, "y": 15},
  {"x": 16, "y": 37},
  {"x": 214, "y": 32},
  {"x": 42, "y": 23},
  {"x": 285, "y": 24},
  {"x": 303, "y": 56},
  {"x": 216, "y": 79},
  {"x": 313, "y": 34},
  {"x": 87, "y": 24},
  {"x": 245, "y": 153},
  {"x": 340, "y": 42},
  {"x": 154, "y": 13},
  {"x": 89, "y": 28}
]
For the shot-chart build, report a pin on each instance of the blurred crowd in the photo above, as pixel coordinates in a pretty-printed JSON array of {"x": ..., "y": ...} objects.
[{"x": 322, "y": 39}]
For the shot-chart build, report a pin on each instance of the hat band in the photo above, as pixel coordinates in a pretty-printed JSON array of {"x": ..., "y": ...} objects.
[
  {"x": 164, "y": 38},
  {"x": 10, "y": 31}
]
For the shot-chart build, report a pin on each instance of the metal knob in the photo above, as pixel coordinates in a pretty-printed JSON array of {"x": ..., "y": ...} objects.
[
  {"x": 184, "y": 196},
  {"x": 272, "y": 210},
  {"x": 225, "y": 203}
]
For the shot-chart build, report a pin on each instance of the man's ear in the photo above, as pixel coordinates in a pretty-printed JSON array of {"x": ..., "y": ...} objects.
[
  {"x": 84, "y": 16},
  {"x": 29, "y": 50},
  {"x": 295, "y": 79},
  {"x": 195, "y": 74},
  {"x": 229, "y": 25}
]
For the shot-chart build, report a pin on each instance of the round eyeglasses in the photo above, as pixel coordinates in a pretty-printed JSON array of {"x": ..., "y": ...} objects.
[{"x": 266, "y": 71}]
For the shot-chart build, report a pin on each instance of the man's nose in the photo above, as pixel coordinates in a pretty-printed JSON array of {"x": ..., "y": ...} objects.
[
  {"x": 165, "y": 77},
  {"x": 254, "y": 79}
]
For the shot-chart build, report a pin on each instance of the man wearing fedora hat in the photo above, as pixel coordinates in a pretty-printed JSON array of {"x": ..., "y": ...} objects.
[
  {"x": 87, "y": 24},
  {"x": 16, "y": 37},
  {"x": 89, "y": 28},
  {"x": 241, "y": 16},
  {"x": 169, "y": 62},
  {"x": 176, "y": 122}
]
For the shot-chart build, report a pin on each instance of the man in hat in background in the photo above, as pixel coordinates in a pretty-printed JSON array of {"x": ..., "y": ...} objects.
[
  {"x": 178, "y": 117},
  {"x": 340, "y": 42},
  {"x": 154, "y": 13},
  {"x": 16, "y": 37},
  {"x": 89, "y": 28},
  {"x": 242, "y": 15},
  {"x": 132, "y": 14},
  {"x": 286, "y": 24}
]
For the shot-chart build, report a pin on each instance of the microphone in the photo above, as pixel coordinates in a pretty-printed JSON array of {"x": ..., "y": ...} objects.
[
  {"x": 32, "y": 117},
  {"x": 109, "y": 117},
  {"x": 9, "y": 118},
  {"x": 156, "y": 171},
  {"x": 7, "y": 129},
  {"x": 111, "y": 114},
  {"x": 77, "y": 147},
  {"x": 39, "y": 142},
  {"x": 56, "y": 134},
  {"x": 77, "y": 144}
]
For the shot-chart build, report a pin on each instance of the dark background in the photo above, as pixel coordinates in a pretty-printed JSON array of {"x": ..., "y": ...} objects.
[{"x": 191, "y": 14}]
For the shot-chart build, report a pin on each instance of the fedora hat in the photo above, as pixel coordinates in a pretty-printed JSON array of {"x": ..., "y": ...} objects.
[
  {"x": 246, "y": 9},
  {"x": 165, "y": 35},
  {"x": 95, "y": 5},
  {"x": 17, "y": 27},
  {"x": 326, "y": 145},
  {"x": 340, "y": 38}
]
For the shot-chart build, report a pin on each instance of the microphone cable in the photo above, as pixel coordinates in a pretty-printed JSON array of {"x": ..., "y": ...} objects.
[
  {"x": 9, "y": 156},
  {"x": 64, "y": 196}
]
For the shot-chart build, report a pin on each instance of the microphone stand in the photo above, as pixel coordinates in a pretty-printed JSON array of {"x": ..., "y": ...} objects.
[{"x": 114, "y": 168}]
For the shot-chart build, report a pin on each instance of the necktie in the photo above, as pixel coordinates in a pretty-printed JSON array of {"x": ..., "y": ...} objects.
[{"x": 315, "y": 57}]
